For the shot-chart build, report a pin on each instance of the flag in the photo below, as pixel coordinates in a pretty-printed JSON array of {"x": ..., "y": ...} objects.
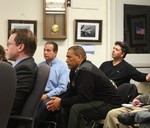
[{"x": 140, "y": 31}]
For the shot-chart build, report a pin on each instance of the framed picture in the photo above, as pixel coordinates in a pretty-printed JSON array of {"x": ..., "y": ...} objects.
[
  {"x": 138, "y": 30},
  {"x": 55, "y": 19},
  {"x": 88, "y": 31},
  {"x": 29, "y": 24},
  {"x": 55, "y": 5}
]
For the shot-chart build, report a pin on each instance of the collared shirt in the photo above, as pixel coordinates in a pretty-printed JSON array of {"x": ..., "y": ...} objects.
[
  {"x": 19, "y": 60},
  {"x": 58, "y": 78}
]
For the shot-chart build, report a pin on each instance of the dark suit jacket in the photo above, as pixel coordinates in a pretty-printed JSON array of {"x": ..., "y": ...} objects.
[{"x": 26, "y": 72}]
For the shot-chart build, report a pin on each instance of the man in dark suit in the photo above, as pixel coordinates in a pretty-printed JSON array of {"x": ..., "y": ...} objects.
[{"x": 21, "y": 47}]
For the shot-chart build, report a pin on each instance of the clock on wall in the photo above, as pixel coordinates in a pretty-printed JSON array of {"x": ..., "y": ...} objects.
[{"x": 54, "y": 19}]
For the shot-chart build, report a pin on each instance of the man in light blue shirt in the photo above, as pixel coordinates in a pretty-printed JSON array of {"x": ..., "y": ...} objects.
[
  {"x": 58, "y": 78},
  {"x": 57, "y": 82}
]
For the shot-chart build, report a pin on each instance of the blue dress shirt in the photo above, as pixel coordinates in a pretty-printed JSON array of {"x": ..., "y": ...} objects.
[{"x": 58, "y": 78}]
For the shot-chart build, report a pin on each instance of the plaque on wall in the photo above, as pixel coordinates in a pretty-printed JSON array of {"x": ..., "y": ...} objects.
[{"x": 54, "y": 19}]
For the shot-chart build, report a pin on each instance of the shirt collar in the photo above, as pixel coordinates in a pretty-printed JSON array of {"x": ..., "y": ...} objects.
[
  {"x": 19, "y": 60},
  {"x": 52, "y": 62}
]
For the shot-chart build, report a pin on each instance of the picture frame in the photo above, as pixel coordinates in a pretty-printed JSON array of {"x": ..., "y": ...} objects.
[
  {"x": 88, "y": 31},
  {"x": 29, "y": 24},
  {"x": 138, "y": 30},
  {"x": 54, "y": 5}
]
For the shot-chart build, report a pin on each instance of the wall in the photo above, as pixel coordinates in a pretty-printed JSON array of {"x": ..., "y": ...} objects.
[
  {"x": 33, "y": 10},
  {"x": 135, "y": 59},
  {"x": 21, "y": 10},
  {"x": 110, "y": 11},
  {"x": 79, "y": 12}
]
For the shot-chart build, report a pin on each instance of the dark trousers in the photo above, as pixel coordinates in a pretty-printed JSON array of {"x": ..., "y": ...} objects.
[
  {"x": 81, "y": 114},
  {"x": 63, "y": 118},
  {"x": 43, "y": 114}
]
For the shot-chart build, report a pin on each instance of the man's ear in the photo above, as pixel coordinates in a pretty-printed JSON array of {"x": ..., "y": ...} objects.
[
  {"x": 80, "y": 58},
  {"x": 122, "y": 55},
  {"x": 21, "y": 47},
  {"x": 56, "y": 52}
]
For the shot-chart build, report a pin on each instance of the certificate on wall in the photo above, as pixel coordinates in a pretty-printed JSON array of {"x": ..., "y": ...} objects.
[{"x": 55, "y": 5}]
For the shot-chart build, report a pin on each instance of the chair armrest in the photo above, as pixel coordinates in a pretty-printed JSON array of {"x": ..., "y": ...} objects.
[
  {"x": 49, "y": 124},
  {"x": 18, "y": 117}
]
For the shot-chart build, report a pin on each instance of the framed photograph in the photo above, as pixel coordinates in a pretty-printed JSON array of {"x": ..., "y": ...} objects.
[
  {"x": 29, "y": 24},
  {"x": 138, "y": 30},
  {"x": 88, "y": 31},
  {"x": 55, "y": 5}
]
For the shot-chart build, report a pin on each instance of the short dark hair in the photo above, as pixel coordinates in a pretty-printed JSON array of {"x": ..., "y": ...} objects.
[
  {"x": 55, "y": 49},
  {"x": 2, "y": 53},
  {"x": 78, "y": 51},
  {"x": 26, "y": 37},
  {"x": 123, "y": 46}
]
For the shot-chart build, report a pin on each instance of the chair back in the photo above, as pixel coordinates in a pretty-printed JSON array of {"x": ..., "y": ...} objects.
[
  {"x": 7, "y": 92},
  {"x": 31, "y": 105},
  {"x": 128, "y": 92},
  {"x": 143, "y": 88}
]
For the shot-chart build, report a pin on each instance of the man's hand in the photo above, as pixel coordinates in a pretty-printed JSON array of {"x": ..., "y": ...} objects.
[
  {"x": 137, "y": 103},
  {"x": 44, "y": 97},
  {"x": 54, "y": 104},
  {"x": 148, "y": 77}
]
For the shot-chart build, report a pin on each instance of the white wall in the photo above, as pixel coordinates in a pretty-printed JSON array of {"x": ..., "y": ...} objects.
[
  {"x": 77, "y": 11},
  {"x": 134, "y": 59},
  {"x": 110, "y": 11},
  {"x": 33, "y": 9}
]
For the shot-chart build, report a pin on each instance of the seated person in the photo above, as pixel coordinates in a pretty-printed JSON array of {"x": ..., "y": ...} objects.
[
  {"x": 89, "y": 96},
  {"x": 57, "y": 82},
  {"x": 143, "y": 118},
  {"x": 21, "y": 47},
  {"x": 140, "y": 103},
  {"x": 3, "y": 54},
  {"x": 120, "y": 71}
]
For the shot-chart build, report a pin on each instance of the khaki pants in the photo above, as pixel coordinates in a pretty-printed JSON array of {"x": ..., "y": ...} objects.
[{"x": 111, "y": 120}]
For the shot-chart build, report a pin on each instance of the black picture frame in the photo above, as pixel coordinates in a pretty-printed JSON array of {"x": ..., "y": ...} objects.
[
  {"x": 138, "y": 30},
  {"x": 30, "y": 24},
  {"x": 88, "y": 31}
]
